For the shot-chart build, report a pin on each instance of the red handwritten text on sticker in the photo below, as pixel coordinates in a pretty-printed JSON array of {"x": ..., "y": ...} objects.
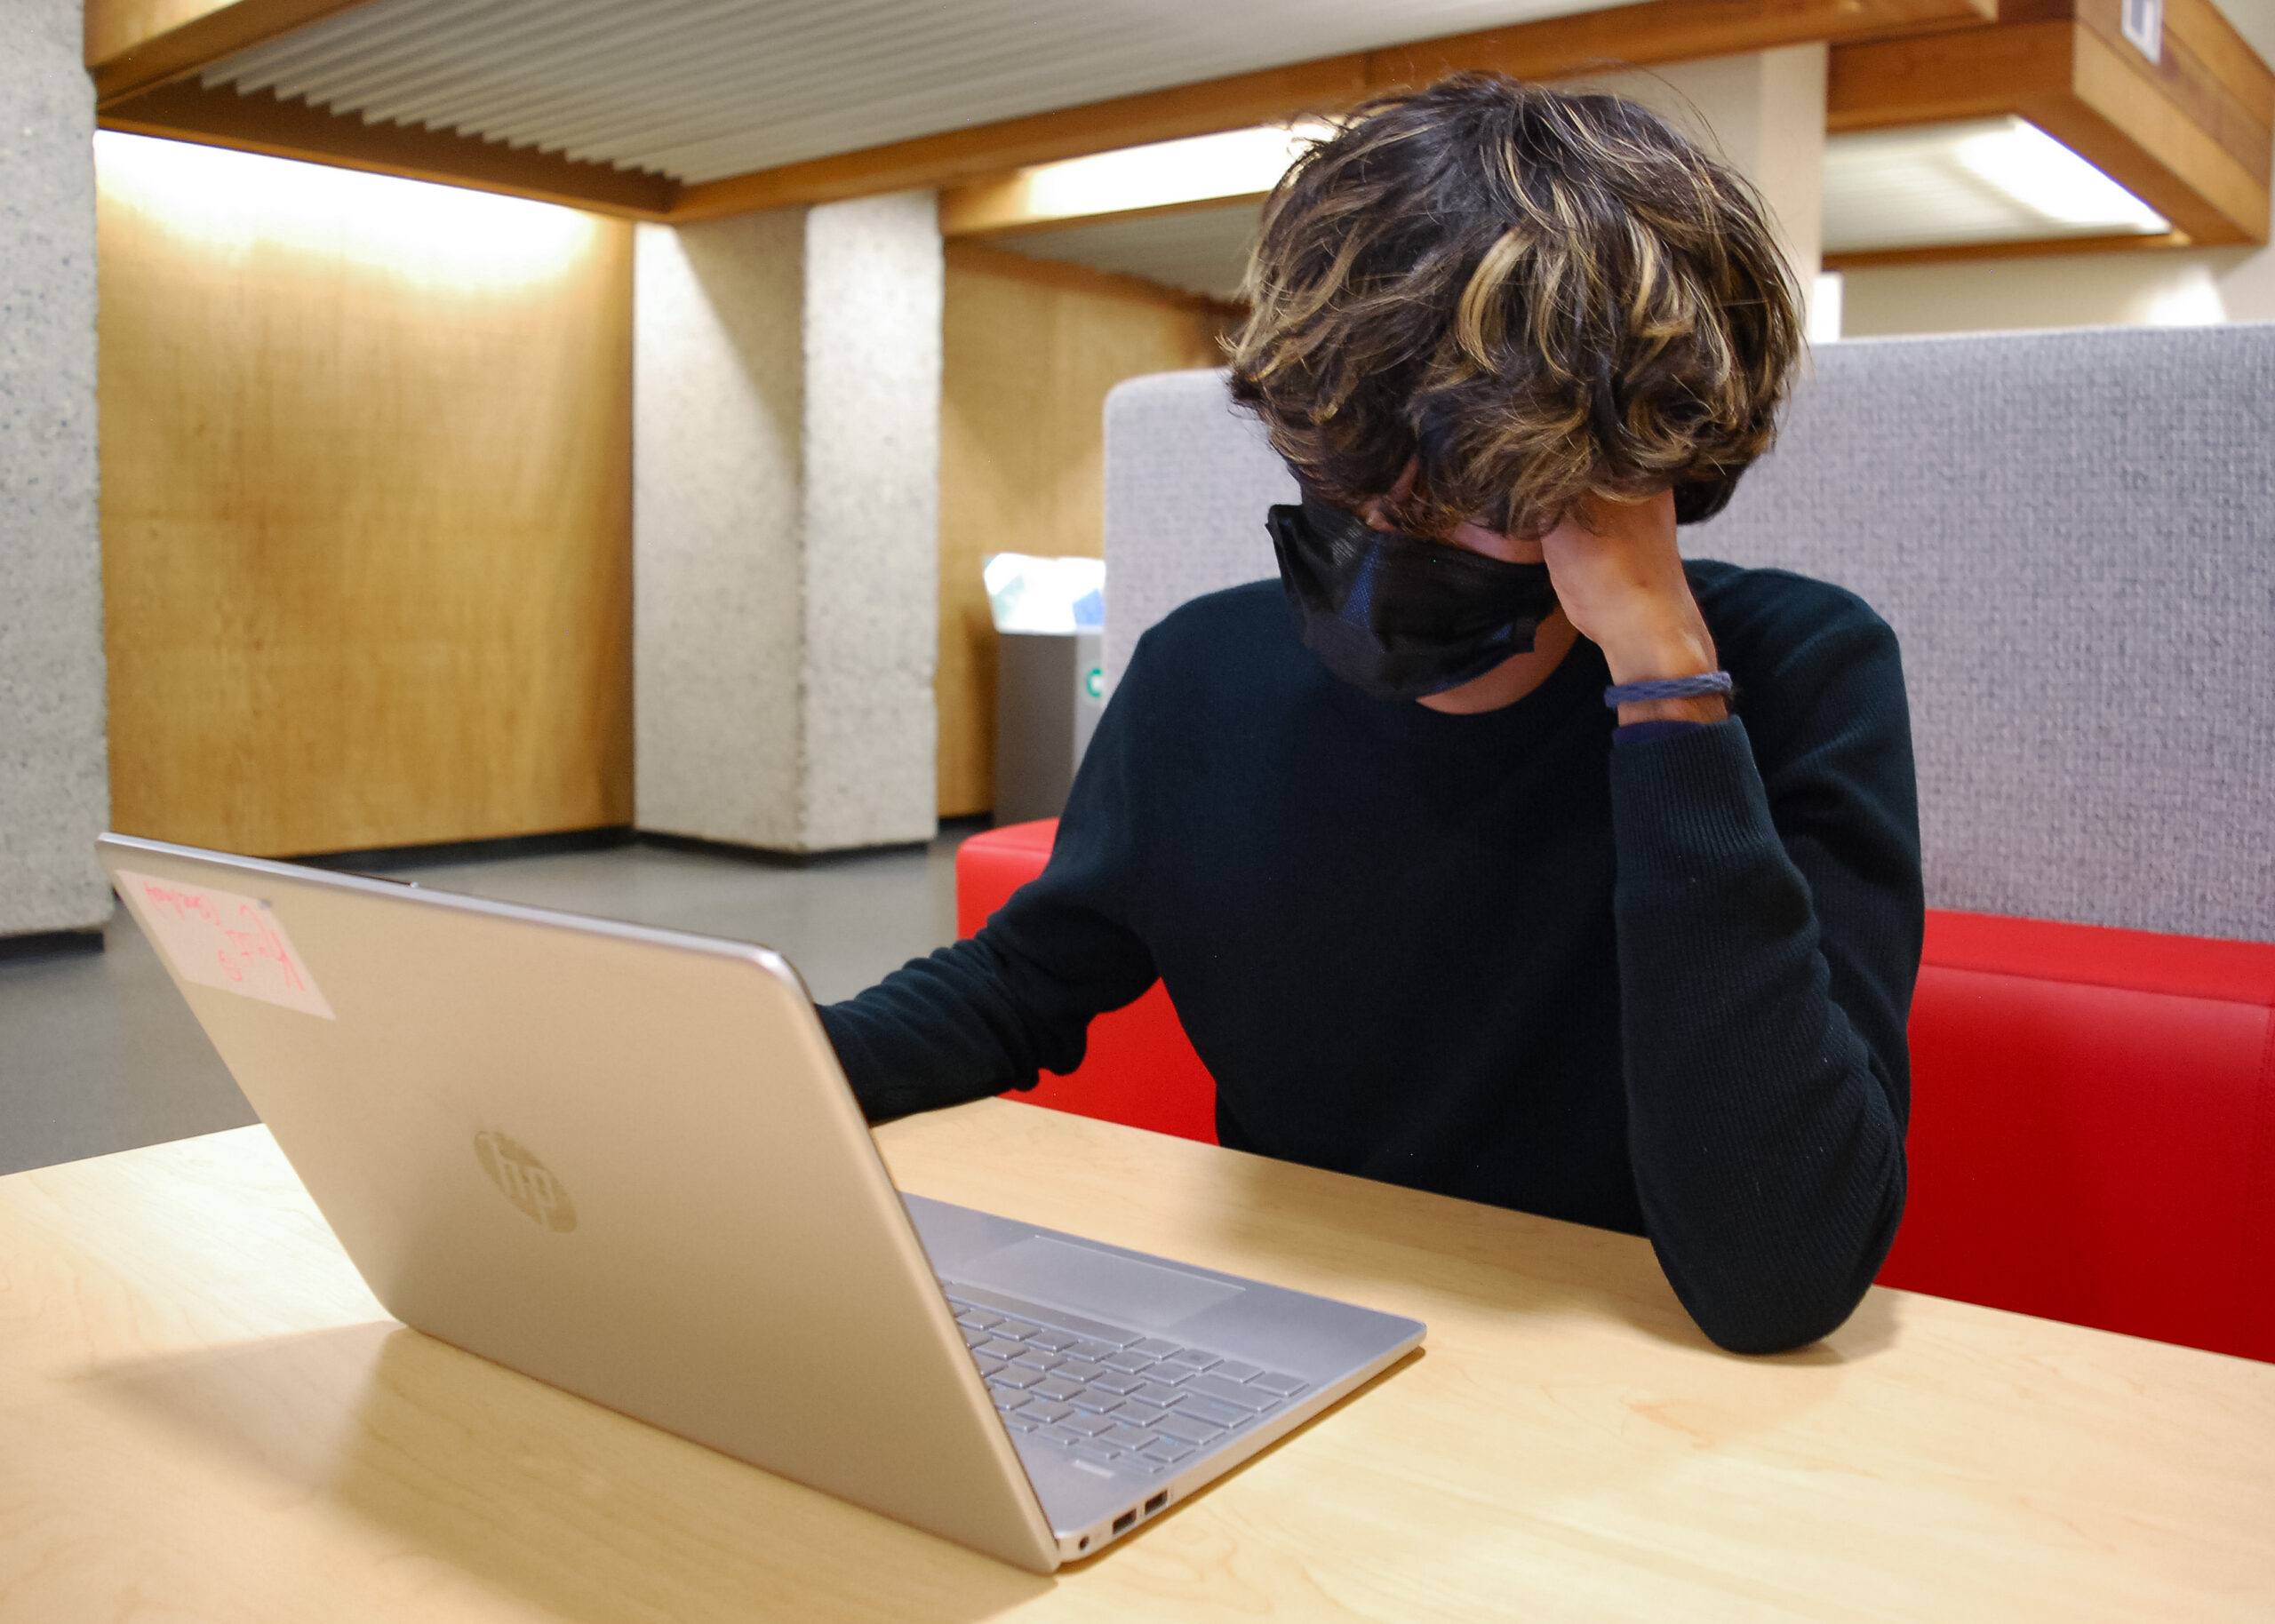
[{"x": 221, "y": 939}]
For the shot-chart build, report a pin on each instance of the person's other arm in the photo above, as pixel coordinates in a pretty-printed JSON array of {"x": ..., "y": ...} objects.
[
  {"x": 1768, "y": 937},
  {"x": 991, "y": 1012}
]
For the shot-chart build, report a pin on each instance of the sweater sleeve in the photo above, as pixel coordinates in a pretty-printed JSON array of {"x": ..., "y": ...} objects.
[
  {"x": 992, "y": 1012},
  {"x": 1769, "y": 914}
]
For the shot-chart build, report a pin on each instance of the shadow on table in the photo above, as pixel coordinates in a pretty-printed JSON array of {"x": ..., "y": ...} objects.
[
  {"x": 1575, "y": 1404},
  {"x": 528, "y": 1490},
  {"x": 1510, "y": 1261}
]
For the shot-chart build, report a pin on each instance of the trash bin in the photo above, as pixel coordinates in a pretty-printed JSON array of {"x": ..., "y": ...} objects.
[{"x": 1049, "y": 679}]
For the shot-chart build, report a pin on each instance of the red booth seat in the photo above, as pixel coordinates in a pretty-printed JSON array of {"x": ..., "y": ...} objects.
[
  {"x": 2093, "y": 1118},
  {"x": 1140, "y": 1067}
]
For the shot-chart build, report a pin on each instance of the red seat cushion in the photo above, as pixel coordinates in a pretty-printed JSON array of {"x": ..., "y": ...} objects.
[
  {"x": 2093, "y": 1129},
  {"x": 1140, "y": 1069},
  {"x": 2093, "y": 1123}
]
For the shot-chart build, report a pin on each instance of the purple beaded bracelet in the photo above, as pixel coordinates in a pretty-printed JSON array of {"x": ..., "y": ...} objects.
[{"x": 1668, "y": 688}]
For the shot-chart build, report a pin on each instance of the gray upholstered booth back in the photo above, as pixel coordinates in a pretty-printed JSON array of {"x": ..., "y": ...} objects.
[{"x": 2072, "y": 533}]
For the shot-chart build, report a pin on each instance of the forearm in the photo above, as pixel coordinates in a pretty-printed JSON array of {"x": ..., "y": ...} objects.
[
  {"x": 1767, "y": 1154},
  {"x": 936, "y": 1032},
  {"x": 993, "y": 1011}
]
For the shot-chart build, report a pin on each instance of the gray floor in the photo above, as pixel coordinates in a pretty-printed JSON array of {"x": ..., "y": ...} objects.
[{"x": 98, "y": 1052}]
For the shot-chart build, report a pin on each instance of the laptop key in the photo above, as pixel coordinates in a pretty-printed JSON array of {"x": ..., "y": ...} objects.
[
  {"x": 1059, "y": 1435},
  {"x": 979, "y": 1319},
  {"x": 1209, "y": 1410},
  {"x": 1116, "y": 1381},
  {"x": 1125, "y": 1359},
  {"x": 988, "y": 1367},
  {"x": 1233, "y": 1370},
  {"x": 1042, "y": 1410},
  {"x": 1130, "y": 1438},
  {"x": 1096, "y": 1452},
  {"x": 1192, "y": 1428},
  {"x": 996, "y": 1347},
  {"x": 1017, "y": 1422},
  {"x": 1017, "y": 1327},
  {"x": 1153, "y": 1392},
  {"x": 1037, "y": 1358},
  {"x": 1057, "y": 1341},
  {"x": 1137, "y": 1414},
  {"x": 1212, "y": 1386},
  {"x": 1088, "y": 1426},
  {"x": 1079, "y": 1370},
  {"x": 1168, "y": 1452},
  {"x": 1056, "y": 1388},
  {"x": 1153, "y": 1347},
  {"x": 1095, "y": 1399},
  {"x": 972, "y": 1339},
  {"x": 1015, "y": 1375},
  {"x": 1087, "y": 1349},
  {"x": 1274, "y": 1382},
  {"x": 1192, "y": 1357}
]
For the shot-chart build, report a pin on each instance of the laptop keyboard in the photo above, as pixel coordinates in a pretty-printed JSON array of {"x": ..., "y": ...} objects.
[{"x": 1105, "y": 1394}]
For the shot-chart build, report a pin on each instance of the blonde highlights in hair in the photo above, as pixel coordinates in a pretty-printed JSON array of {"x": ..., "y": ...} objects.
[{"x": 1532, "y": 295}]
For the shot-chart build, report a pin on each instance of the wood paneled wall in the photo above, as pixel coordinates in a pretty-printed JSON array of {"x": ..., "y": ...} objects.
[
  {"x": 1030, "y": 349},
  {"x": 366, "y": 462}
]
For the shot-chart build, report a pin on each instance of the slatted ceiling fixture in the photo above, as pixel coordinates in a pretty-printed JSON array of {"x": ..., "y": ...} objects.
[
  {"x": 692, "y": 109},
  {"x": 698, "y": 89}
]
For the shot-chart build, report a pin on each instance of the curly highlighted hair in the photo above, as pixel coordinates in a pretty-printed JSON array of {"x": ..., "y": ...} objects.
[{"x": 1530, "y": 294}]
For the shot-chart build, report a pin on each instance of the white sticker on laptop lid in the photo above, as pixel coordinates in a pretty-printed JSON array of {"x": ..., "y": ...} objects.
[{"x": 220, "y": 939}]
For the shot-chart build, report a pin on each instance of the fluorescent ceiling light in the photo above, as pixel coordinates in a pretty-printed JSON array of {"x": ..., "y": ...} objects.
[
  {"x": 2040, "y": 172},
  {"x": 1985, "y": 180},
  {"x": 1166, "y": 174}
]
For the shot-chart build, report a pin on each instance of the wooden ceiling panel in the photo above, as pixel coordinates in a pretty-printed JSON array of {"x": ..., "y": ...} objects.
[
  {"x": 135, "y": 45},
  {"x": 277, "y": 129},
  {"x": 734, "y": 106},
  {"x": 698, "y": 89},
  {"x": 688, "y": 109},
  {"x": 2188, "y": 134}
]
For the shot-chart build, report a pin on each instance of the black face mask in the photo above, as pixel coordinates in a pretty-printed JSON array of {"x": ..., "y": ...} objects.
[{"x": 1397, "y": 616}]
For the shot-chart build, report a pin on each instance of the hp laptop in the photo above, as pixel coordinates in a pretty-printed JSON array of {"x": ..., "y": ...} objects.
[{"x": 624, "y": 1161}]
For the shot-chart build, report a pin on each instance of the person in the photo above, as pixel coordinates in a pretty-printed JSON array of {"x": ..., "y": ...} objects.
[{"x": 1493, "y": 850}]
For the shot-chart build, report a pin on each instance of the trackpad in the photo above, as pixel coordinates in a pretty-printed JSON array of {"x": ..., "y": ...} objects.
[{"x": 1093, "y": 1282}]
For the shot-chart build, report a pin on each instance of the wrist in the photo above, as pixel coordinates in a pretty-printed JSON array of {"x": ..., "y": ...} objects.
[
  {"x": 1665, "y": 651},
  {"x": 1704, "y": 708}
]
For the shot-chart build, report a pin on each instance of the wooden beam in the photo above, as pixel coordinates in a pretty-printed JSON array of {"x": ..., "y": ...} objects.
[
  {"x": 2035, "y": 248},
  {"x": 1942, "y": 79},
  {"x": 1656, "y": 31},
  {"x": 136, "y": 45},
  {"x": 2188, "y": 136},
  {"x": 1663, "y": 31},
  {"x": 2148, "y": 143},
  {"x": 2204, "y": 71},
  {"x": 260, "y": 122}
]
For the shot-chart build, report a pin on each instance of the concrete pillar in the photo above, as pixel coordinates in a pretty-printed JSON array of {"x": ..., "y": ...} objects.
[
  {"x": 873, "y": 284},
  {"x": 1764, "y": 114},
  {"x": 54, "y": 776},
  {"x": 786, "y": 521}
]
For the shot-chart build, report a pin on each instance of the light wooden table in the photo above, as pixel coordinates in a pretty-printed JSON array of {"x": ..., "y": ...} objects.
[{"x": 204, "y": 1416}]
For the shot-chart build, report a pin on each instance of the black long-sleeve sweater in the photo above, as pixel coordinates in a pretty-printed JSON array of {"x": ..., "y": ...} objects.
[{"x": 1659, "y": 988}]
